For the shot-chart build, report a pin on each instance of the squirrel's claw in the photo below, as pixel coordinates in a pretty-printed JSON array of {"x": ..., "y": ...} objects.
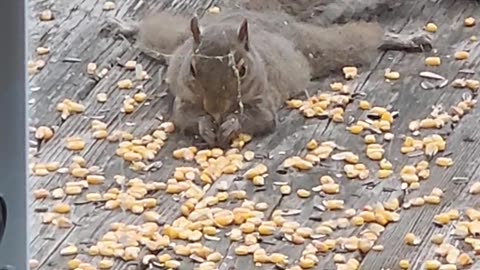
[
  {"x": 206, "y": 129},
  {"x": 228, "y": 130},
  {"x": 417, "y": 42},
  {"x": 423, "y": 41},
  {"x": 119, "y": 28}
]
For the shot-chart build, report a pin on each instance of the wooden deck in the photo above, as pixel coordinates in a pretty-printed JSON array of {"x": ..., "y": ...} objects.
[{"x": 75, "y": 33}]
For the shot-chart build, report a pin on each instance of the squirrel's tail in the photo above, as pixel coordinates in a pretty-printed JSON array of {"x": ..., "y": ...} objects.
[
  {"x": 162, "y": 32},
  {"x": 255, "y": 5},
  {"x": 328, "y": 49},
  {"x": 326, "y": 12}
]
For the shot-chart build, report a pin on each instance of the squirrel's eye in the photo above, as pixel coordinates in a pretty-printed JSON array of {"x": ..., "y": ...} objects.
[
  {"x": 242, "y": 71},
  {"x": 241, "y": 68},
  {"x": 192, "y": 70}
]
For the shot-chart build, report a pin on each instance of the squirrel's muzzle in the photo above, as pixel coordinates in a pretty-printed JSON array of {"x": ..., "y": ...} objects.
[{"x": 216, "y": 107}]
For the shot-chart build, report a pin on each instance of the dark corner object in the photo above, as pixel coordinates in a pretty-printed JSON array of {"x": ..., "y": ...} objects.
[
  {"x": 3, "y": 217},
  {"x": 14, "y": 245}
]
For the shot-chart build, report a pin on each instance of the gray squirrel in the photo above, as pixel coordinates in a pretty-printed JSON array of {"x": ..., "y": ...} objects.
[{"x": 231, "y": 72}]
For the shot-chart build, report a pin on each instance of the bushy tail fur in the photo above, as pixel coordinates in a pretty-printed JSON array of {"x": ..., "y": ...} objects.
[
  {"x": 344, "y": 11},
  {"x": 323, "y": 12},
  {"x": 255, "y": 5},
  {"x": 161, "y": 33},
  {"x": 328, "y": 49}
]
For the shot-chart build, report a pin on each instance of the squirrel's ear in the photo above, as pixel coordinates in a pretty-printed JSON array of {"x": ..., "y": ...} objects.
[
  {"x": 195, "y": 29},
  {"x": 243, "y": 34}
]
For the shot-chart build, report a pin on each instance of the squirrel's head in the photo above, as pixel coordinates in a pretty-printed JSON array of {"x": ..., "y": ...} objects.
[{"x": 221, "y": 65}]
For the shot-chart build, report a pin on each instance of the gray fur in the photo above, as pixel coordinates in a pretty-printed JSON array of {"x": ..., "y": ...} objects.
[
  {"x": 157, "y": 36},
  {"x": 324, "y": 12}
]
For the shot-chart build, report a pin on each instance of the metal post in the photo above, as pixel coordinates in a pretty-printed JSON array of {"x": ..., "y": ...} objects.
[{"x": 13, "y": 133}]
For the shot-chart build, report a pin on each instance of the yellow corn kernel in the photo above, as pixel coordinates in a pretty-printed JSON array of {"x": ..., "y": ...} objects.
[
  {"x": 461, "y": 55},
  {"x": 404, "y": 264},
  {"x": 469, "y": 22},
  {"x": 431, "y": 27},
  {"x": 432, "y": 61}
]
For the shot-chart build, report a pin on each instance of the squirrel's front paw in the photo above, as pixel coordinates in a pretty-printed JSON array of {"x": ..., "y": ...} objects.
[
  {"x": 228, "y": 130},
  {"x": 206, "y": 128},
  {"x": 119, "y": 28},
  {"x": 417, "y": 42},
  {"x": 423, "y": 41}
]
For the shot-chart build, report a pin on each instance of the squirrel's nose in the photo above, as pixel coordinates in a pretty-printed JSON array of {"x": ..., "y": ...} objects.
[
  {"x": 217, "y": 117},
  {"x": 213, "y": 109}
]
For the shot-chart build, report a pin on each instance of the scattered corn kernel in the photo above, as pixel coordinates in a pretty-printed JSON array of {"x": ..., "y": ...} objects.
[
  {"x": 109, "y": 5},
  {"x": 102, "y": 97},
  {"x": 404, "y": 264},
  {"x": 172, "y": 264},
  {"x": 68, "y": 251},
  {"x": 392, "y": 75},
  {"x": 42, "y": 50},
  {"x": 303, "y": 193},
  {"x": 350, "y": 72},
  {"x": 46, "y": 15},
  {"x": 437, "y": 239},
  {"x": 91, "y": 68},
  {"x": 125, "y": 84},
  {"x": 140, "y": 97},
  {"x": 464, "y": 259},
  {"x": 444, "y": 162},
  {"x": 431, "y": 27},
  {"x": 75, "y": 144},
  {"x": 285, "y": 189},
  {"x": 105, "y": 264},
  {"x": 469, "y": 22},
  {"x": 364, "y": 105},
  {"x": 432, "y": 265},
  {"x": 461, "y": 55},
  {"x": 411, "y": 239},
  {"x": 433, "y": 61},
  {"x": 214, "y": 10},
  {"x": 475, "y": 188},
  {"x": 61, "y": 208}
]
